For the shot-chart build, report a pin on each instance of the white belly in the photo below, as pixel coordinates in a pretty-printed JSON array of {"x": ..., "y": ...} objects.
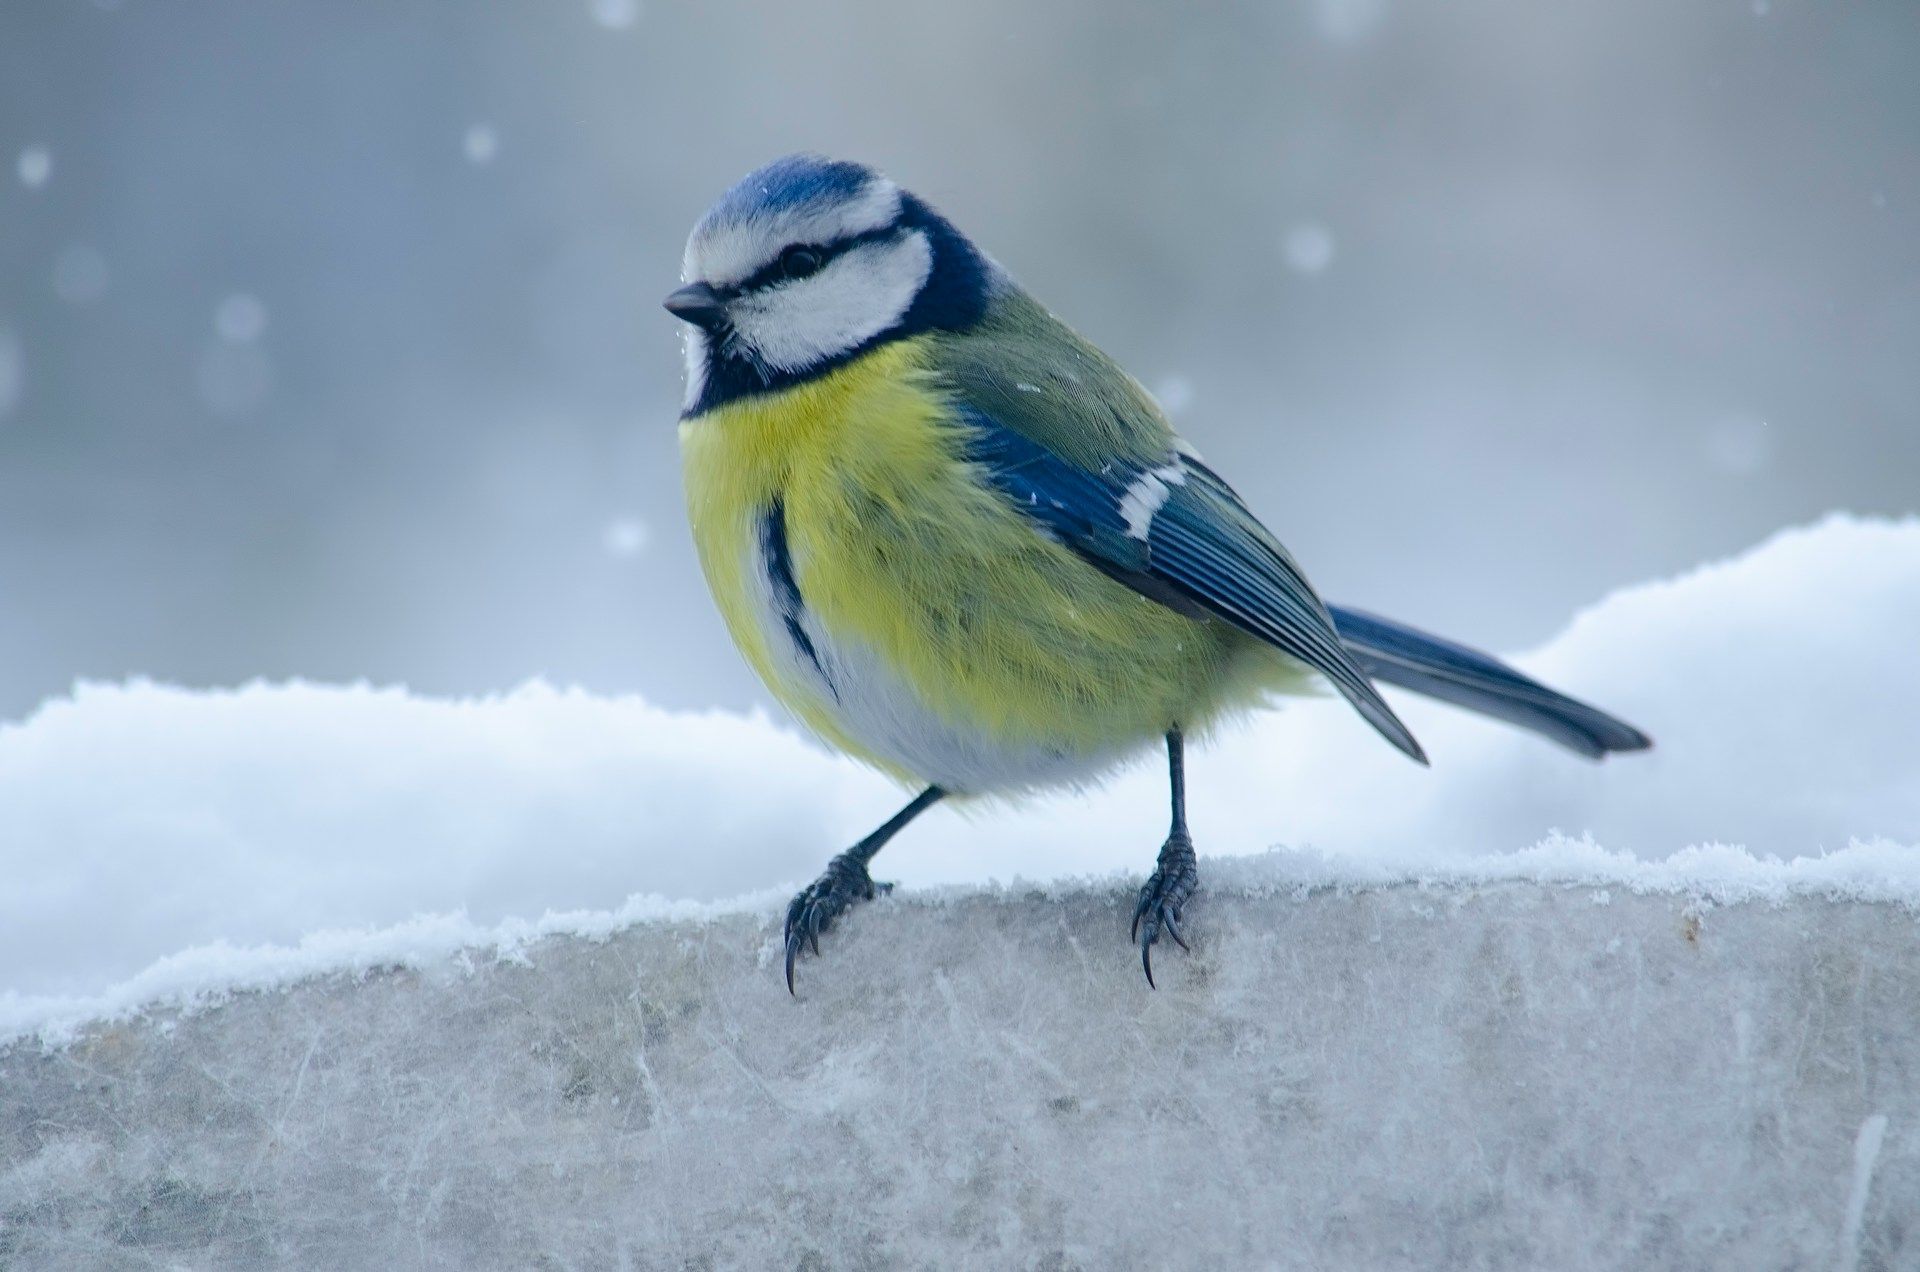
[{"x": 873, "y": 705}]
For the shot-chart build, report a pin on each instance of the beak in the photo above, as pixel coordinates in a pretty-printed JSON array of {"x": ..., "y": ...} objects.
[{"x": 698, "y": 304}]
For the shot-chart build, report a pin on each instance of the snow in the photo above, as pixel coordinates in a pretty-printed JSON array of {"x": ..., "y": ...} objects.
[
  {"x": 1511, "y": 1077},
  {"x": 1349, "y": 21},
  {"x": 481, "y": 144},
  {"x": 1308, "y": 248},
  {"x": 240, "y": 318},
  {"x": 166, "y": 844},
  {"x": 625, "y": 536},
  {"x": 615, "y": 15},
  {"x": 1174, "y": 393},
  {"x": 1866, "y": 1154},
  {"x": 34, "y": 166}
]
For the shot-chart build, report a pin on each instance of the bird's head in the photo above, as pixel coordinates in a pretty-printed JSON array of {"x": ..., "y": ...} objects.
[{"x": 808, "y": 263}]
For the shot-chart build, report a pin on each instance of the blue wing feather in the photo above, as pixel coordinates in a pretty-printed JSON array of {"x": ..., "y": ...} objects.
[{"x": 1202, "y": 552}]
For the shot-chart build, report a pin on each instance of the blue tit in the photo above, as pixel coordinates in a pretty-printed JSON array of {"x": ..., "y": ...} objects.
[{"x": 960, "y": 543}]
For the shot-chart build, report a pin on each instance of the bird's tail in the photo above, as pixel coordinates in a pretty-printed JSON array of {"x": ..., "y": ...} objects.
[{"x": 1405, "y": 656}]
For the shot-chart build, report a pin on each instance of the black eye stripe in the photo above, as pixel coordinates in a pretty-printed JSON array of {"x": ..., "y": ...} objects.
[{"x": 774, "y": 271}]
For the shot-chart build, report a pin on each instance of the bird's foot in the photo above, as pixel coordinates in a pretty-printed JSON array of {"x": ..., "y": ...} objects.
[
  {"x": 1175, "y": 878},
  {"x": 844, "y": 882}
]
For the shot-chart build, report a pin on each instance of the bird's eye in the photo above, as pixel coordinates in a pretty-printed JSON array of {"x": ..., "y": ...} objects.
[{"x": 798, "y": 262}]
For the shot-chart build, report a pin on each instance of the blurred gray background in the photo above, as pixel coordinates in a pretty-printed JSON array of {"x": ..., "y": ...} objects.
[{"x": 330, "y": 341}]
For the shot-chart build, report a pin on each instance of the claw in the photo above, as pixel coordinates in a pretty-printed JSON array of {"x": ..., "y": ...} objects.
[
  {"x": 844, "y": 882},
  {"x": 1173, "y": 881},
  {"x": 1143, "y": 907}
]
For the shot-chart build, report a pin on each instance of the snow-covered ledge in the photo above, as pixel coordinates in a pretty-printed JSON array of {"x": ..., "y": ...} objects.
[{"x": 1469, "y": 1073}]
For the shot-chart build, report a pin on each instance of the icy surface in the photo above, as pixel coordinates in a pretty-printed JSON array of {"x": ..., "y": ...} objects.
[
  {"x": 1500, "y": 1076},
  {"x": 148, "y": 823}
]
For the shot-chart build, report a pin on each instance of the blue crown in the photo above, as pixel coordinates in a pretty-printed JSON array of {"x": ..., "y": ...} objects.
[{"x": 785, "y": 184}]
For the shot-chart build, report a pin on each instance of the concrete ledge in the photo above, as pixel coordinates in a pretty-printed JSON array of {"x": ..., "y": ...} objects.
[{"x": 1509, "y": 1076}]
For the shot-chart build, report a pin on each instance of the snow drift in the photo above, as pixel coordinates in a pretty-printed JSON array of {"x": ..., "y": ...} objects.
[
  {"x": 1516, "y": 1011},
  {"x": 216, "y": 830}
]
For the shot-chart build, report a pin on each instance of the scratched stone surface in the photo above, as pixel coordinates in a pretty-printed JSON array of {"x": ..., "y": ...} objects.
[{"x": 1513, "y": 1076}]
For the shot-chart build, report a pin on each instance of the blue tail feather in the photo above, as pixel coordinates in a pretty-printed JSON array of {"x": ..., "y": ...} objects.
[{"x": 1400, "y": 655}]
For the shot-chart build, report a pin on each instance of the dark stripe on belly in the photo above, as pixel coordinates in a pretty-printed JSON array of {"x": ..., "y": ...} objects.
[{"x": 785, "y": 588}]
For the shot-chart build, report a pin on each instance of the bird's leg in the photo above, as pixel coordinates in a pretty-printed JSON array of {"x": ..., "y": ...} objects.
[
  {"x": 845, "y": 881},
  {"x": 1175, "y": 876}
]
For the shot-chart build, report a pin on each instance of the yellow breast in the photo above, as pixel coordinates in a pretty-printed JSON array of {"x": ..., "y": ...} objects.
[{"x": 954, "y": 636}]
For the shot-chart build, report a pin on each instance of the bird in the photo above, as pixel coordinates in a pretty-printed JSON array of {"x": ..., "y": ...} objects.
[{"x": 960, "y": 543}]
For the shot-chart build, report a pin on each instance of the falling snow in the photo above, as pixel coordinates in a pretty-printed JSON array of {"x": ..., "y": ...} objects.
[
  {"x": 240, "y": 318},
  {"x": 1308, "y": 248},
  {"x": 480, "y": 144},
  {"x": 625, "y": 537},
  {"x": 615, "y": 15},
  {"x": 35, "y": 165},
  {"x": 1174, "y": 393}
]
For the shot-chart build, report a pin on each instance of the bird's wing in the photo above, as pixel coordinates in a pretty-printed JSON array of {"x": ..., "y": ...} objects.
[{"x": 1076, "y": 445}]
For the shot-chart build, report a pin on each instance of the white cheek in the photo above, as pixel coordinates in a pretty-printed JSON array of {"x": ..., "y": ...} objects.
[{"x": 853, "y": 299}]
